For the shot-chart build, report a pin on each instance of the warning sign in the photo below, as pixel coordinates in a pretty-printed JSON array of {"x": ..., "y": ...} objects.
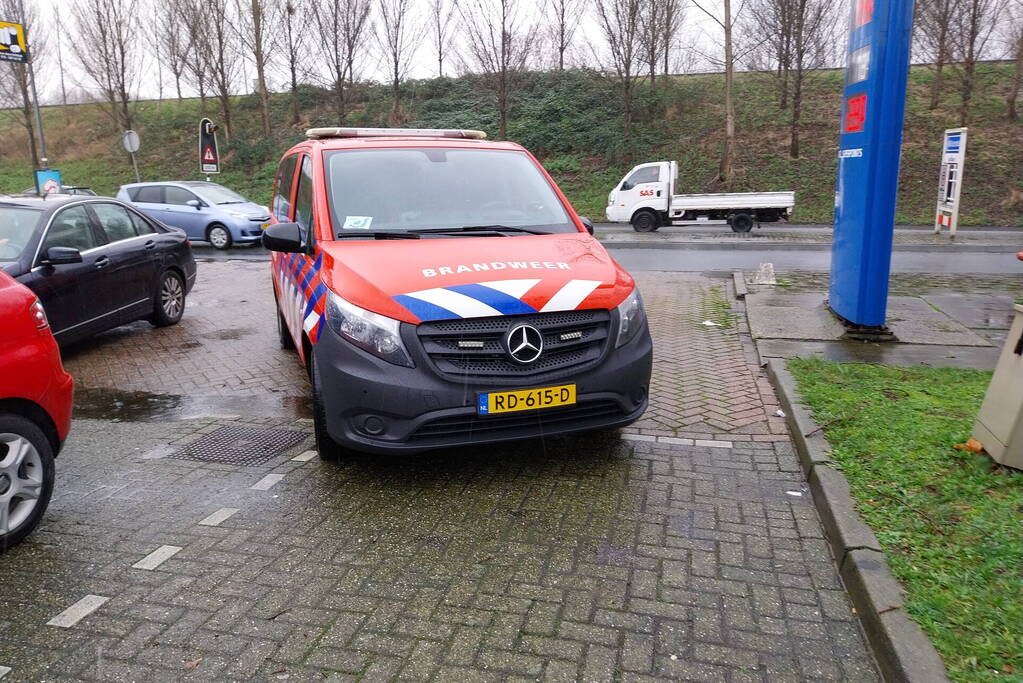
[
  {"x": 209, "y": 156},
  {"x": 13, "y": 46}
]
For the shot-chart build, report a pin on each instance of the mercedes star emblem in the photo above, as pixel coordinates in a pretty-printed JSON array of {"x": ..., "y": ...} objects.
[{"x": 524, "y": 343}]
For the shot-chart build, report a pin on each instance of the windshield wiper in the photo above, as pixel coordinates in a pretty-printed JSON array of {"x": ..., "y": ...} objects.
[
  {"x": 379, "y": 235},
  {"x": 481, "y": 228}
]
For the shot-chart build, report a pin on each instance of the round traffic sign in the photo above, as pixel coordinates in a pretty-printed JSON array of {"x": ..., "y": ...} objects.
[{"x": 131, "y": 142}]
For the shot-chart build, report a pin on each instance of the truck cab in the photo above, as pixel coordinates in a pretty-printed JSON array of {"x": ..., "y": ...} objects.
[{"x": 441, "y": 291}]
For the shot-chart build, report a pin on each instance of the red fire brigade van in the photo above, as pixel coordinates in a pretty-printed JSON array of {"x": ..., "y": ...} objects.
[{"x": 442, "y": 291}]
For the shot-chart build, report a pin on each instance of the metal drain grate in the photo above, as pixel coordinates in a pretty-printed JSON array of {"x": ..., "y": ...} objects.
[{"x": 240, "y": 446}]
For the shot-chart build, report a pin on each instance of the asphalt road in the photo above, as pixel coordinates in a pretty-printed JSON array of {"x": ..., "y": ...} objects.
[{"x": 711, "y": 258}]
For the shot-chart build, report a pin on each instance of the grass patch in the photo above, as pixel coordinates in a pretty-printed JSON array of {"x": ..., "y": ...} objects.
[{"x": 950, "y": 522}]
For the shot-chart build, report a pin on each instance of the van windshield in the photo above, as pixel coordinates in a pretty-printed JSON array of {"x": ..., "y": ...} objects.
[{"x": 430, "y": 188}]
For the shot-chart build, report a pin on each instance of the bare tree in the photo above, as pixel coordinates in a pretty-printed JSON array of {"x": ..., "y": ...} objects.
[
  {"x": 620, "y": 22},
  {"x": 813, "y": 38},
  {"x": 974, "y": 23},
  {"x": 399, "y": 35},
  {"x": 771, "y": 21},
  {"x": 651, "y": 37},
  {"x": 59, "y": 36},
  {"x": 934, "y": 25},
  {"x": 172, "y": 37},
  {"x": 253, "y": 24},
  {"x": 726, "y": 21},
  {"x": 217, "y": 63},
  {"x": 340, "y": 25},
  {"x": 106, "y": 46},
  {"x": 565, "y": 20},
  {"x": 15, "y": 83},
  {"x": 499, "y": 42},
  {"x": 673, "y": 16},
  {"x": 293, "y": 16},
  {"x": 1014, "y": 25},
  {"x": 442, "y": 25}
]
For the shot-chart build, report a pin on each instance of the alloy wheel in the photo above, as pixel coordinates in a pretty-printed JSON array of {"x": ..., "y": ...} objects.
[
  {"x": 218, "y": 237},
  {"x": 172, "y": 296},
  {"x": 21, "y": 481}
]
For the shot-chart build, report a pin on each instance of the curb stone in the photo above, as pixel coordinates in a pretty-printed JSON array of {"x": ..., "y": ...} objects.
[
  {"x": 902, "y": 649},
  {"x": 740, "y": 284}
]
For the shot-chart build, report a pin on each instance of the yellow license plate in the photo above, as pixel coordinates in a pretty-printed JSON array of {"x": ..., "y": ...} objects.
[
  {"x": 264, "y": 226},
  {"x": 494, "y": 402}
]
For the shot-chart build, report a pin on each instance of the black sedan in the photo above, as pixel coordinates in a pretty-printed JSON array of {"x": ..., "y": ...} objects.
[{"x": 95, "y": 263}]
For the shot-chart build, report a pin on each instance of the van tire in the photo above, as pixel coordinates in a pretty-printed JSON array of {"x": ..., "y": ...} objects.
[
  {"x": 219, "y": 236},
  {"x": 329, "y": 450},
  {"x": 741, "y": 222},
  {"x": 41, "y": 459},
  {"x": 645, "y": 220}
]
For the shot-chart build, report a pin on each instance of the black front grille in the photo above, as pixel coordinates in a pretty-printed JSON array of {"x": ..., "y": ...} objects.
[
  {"x": 534, "y": 421},
  {"x": 586, "y": 334}
]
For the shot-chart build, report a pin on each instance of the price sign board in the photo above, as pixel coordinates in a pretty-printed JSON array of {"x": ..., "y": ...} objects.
[{"x": 870, "y": 139}]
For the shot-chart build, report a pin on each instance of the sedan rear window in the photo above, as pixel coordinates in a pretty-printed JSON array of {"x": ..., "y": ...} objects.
[
  {"x": 17, "y": 226},
  {"x": 428, "y": 187}
]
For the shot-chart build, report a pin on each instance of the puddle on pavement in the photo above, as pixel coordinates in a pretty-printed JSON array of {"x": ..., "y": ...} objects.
[
  {"x": 142, "y": 406},
  {"x": 229, "y": 334}
]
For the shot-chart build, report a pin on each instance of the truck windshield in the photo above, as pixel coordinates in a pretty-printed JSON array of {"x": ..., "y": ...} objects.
[
  {"x": 17, "y": 226},
  {"x": 435, "y": 188}
]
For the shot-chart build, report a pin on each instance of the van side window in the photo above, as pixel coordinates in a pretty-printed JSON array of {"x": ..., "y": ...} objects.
[
  {"x": 647, "y": 174},
  {"x": 304, "y": 199},
  {"x": 282, "y": 194}
]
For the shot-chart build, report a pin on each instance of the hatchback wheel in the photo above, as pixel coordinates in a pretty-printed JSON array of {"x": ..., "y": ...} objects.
[
  {"x": 169, "y": 301},
  {"x": 219, "y": 236},
  {"x": 26, "y": 478}
]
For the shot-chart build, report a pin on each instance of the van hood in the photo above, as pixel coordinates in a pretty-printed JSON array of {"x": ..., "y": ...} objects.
[{"x": 441, "y": 278}]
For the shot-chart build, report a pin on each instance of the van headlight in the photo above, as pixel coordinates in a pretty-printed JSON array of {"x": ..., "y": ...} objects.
[
  {"x": 630, "y": 318},
  {"x": 370, "y": 331}
]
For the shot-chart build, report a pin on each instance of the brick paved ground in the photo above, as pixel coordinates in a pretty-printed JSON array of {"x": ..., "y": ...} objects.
[{"x": 590, "y": 558}]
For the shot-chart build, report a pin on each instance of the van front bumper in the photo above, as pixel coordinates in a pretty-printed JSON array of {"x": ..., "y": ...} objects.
[{"x": 374, "y": 406}]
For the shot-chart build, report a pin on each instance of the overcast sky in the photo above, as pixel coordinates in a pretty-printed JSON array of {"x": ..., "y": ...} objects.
[{"x": 700, "y": 35}]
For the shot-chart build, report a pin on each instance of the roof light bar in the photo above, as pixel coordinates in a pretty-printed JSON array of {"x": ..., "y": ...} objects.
[{"x": 320, "y": 133}]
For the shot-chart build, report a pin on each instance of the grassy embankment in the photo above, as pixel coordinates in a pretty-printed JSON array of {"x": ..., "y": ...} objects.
[
  {"x": 950, "y": 521},
  {"x": 572, "y": 122}
]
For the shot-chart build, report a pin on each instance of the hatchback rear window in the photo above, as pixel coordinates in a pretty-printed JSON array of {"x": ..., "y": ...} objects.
[
  {"x": 428, "y": 187},
  {"x": 152, "y": 194}
]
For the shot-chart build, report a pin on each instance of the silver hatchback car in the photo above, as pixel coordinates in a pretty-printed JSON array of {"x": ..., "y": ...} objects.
[{"x": 205, "y": 211}]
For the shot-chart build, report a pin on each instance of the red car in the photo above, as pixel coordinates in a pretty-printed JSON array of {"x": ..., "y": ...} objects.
[{"x": 35, "y": 410}]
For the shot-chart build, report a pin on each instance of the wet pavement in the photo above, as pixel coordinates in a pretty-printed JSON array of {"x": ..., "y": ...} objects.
[{"x": 194, "y": 535}]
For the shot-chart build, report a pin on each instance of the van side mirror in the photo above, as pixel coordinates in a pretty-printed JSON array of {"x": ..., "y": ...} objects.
[
  {"x": 587, "y": 223},
  {"x": 194, "y": 203},
  {"x": 626, "y": 185},
  {"x": 284, "y": 237},
  {"x": 56, "y": 256}
]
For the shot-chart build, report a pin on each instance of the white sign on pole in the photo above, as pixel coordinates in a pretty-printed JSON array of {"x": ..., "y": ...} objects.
[
  {"x": 950, "y": 180},
  {"x": 131, "y": 142}
]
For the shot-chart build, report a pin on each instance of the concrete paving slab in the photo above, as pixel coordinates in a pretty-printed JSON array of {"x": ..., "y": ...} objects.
[
  {"x": 976, "y": 311},
  {"x": 804, "y": 316}
]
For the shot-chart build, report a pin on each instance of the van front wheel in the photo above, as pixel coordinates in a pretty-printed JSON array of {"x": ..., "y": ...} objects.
[
  {"x": 741, "y": 222},
  {"x": 645, "y": 221}
]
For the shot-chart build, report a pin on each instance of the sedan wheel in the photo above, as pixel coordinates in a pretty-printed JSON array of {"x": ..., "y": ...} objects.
[
  {"x": 219, "y": 236},
  {"x": 26, "y": 478},
  {"x": 170, "y": 300}
]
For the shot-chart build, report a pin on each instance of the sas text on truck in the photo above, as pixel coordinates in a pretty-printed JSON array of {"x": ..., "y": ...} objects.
[
  {"x": 443, "y": 292},
  {"x": 646, "y": 198}
]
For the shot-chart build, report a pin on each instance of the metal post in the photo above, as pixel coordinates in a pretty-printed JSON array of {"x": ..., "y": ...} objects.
[
  {"x": 134, "y": 165},
  {"x": 32, "y": 85}
]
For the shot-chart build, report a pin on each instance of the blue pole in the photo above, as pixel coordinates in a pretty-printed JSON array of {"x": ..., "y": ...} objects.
[{"x": 870, "y": 143}]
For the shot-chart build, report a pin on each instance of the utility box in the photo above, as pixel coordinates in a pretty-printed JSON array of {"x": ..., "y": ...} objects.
[{"x": 1000, "y": 423}]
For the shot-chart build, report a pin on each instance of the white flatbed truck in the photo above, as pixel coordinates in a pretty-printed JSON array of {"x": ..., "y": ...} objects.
[{"x": 646, "y": 198}]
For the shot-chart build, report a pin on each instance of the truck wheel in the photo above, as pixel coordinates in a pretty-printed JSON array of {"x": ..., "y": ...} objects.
[
  {"x": 645, "y": 221},
  {"x": 741, "y": 222}
]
